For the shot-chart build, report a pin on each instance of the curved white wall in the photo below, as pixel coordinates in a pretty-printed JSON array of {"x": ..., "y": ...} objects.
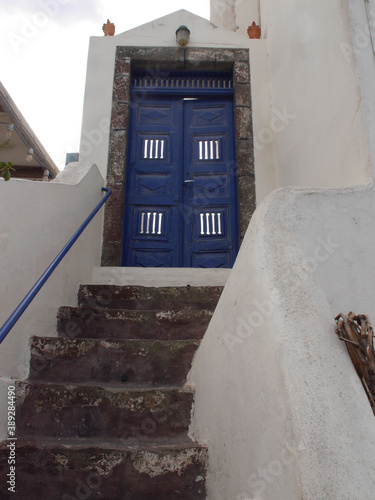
[
  {"x": 38, "y": 220},
  {"x": 277, "y": 398},
  {"x": 276, "y": 391}
]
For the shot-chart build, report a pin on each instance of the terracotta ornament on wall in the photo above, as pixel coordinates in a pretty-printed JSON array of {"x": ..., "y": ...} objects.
[
  {"x": 254, "y": 31},
  {"x": 108, "y": 28}
]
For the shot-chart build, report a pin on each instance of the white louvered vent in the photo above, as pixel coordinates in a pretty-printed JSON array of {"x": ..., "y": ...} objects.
[
  {"x": 151, "y": 223},
  {"x": 153, "y": 149},
  {"x": 211, "y": 223}
]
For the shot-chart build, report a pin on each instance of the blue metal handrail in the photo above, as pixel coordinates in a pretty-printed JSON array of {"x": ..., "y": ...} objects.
[{"x": 20, "y": 309}]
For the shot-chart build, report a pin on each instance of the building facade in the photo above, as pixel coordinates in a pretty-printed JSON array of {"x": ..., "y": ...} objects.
[{"x": 277, "y": 399}]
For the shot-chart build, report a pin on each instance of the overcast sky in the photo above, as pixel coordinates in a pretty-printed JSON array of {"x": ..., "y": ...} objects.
[{"x": 43, "y": 54}]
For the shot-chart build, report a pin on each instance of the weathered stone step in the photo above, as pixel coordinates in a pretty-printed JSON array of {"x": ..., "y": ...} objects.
[
  {"x": 85, "y": 412},
  {"x": 63, "y": 470},
  {"x": 88, "y": 322},
  {"x": 139, "y": 297},
  {"x": 114, "y": 362}
]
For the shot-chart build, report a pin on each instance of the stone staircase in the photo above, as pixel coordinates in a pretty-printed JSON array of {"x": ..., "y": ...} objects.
[{"x": 105, "y": 413}]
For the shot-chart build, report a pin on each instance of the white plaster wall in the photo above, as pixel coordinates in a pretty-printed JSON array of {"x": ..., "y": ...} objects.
[
  {"x": 277, "y": 398},
  {"x": 364, "y": 36},
  {"x": 37, "y": 220},
  {"x": 161, "y": 33},
  {"x": 159, "y": 276},
  {"x": 312, "y": 78},
  {"x": 264, "y": 121},
  {"x": 246, "y": 11},
  {"x": 222, "y": 13},
  {"x": 362, "y": 19},
  {"x": 316, "y": 130},
  {"x": 235, "y": 15}
]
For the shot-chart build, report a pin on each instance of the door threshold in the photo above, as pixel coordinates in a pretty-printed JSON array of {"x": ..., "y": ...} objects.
[{"x": 159, "y": 276}]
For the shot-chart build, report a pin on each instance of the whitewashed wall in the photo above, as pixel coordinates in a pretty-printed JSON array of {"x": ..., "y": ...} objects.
[
  {"x": 235, "y": 15},
  {"x": 316, "y": 130},
  {"x": 223, "y": 13},
  {"x": 277, "y": 398},
  {"x": 312, "y": 76},
  {"x": 37, "y": 220}
]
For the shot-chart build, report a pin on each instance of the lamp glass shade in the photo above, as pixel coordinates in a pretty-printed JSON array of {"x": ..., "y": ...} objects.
[
  {"x": 29, "y": 155},
  {"x": 182, "y": 36},
  {"x": 9, "y": 131}
]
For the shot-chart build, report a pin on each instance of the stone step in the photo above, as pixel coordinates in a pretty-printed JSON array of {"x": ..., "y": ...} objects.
[
  {"x": 104, "y": 414},
  {"x": 114, "y": 362},
  {"x": 76, "y": 411},
  {"x": 61, "y": 469},
  {"x": 88, "y": 322},
  {"x": 139, "y": 297}
]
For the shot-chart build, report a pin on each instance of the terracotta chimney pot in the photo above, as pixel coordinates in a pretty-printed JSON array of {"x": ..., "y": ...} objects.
[
  {"x": 108, "y": 28},
  {"x": 254, "y": 31}
]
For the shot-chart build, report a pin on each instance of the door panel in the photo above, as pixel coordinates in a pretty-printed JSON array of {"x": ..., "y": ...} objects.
[
  {"x": 180, "y": 196},
  {"x": 153, "y": 185},
  {"x": 209, "y": 161}
]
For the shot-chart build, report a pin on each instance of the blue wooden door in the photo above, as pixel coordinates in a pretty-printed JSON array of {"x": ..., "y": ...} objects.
[
  {"x": 180, "y": 196},
  {"x": 210, "y": 218}
]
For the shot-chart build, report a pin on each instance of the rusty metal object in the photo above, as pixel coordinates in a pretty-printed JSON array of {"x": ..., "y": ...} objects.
[{"x": 358, "y": 335}]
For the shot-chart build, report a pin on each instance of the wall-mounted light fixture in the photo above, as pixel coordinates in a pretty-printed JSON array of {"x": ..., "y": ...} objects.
[
  {"x": 182, "y": 36},
  {"x": 30, "y": 153},
  {"x": 9, "y": 131}
]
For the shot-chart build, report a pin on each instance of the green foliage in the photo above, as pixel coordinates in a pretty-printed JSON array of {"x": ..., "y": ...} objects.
[{"x": 5, "y": 169}]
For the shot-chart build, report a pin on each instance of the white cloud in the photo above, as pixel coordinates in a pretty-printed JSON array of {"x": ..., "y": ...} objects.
[{"x": 44, "y": 55}]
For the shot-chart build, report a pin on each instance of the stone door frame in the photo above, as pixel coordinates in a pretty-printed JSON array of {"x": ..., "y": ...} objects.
[{"x": 154, "y": 60}]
